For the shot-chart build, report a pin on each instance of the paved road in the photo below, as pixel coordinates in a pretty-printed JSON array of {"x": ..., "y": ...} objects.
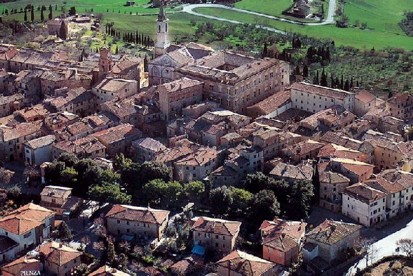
[
  {"x": 329, "y": 20},
  {"x": 387, "y": 245}
]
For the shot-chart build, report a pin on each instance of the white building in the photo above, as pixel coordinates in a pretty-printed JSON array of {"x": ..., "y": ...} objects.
[
  {"x": 38, "y": 151},
  {"x": 113, "y": 89},
  {"x": 364, "y": 204},
  {"x": 23, "y": 229},
  {"x": 136, "y": 221},
  {"x": 315, "y": 98}
]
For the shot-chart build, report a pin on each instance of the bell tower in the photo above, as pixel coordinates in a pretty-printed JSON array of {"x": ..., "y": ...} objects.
[
  {"x": 105, "y": 62},
  {"x": 162, "y": 40}
]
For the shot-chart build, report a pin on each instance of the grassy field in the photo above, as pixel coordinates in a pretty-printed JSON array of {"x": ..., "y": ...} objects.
[
  {"x": 98, "y": 6},
  {"x": 271, "y": 7},
  {"x": 378, "y": 38},
  {"x": 382, "y": 18}
]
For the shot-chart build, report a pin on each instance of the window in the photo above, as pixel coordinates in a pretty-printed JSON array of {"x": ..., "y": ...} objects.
[
  {"x": 118, "y": 221},
  {"x": 27, "y": 235}
]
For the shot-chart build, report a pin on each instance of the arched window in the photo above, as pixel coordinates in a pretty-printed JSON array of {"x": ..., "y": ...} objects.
[{"x": 159, "y": 28}]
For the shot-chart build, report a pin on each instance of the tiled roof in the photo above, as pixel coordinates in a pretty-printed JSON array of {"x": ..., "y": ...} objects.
[
  {"x": 200, "y": 157},
  {"x": 118, "y": 133},
  {"x": 385, "y": 186},
  {"x": 330, "y": 232},
  {"x": 177, "y": 85},
  {"x": 282, "y": 235},
  {"x": 58, "y": 253},
  {"x": 245, "y": 264},
  {"x": 88, "y": 144},
  {"x": 273, "y": 102},
  {"x": 25, "y": 218},
  {"x": 41, "y": 142},
  {"x": 55, "y": 191},
  {"x": 113, "y": 85},
  {"x": 149, "y": 143},
  {"x": 328, "y": 177},
  {"x": 15, "y": 267},
  {"x": 365, "y": 96},
  {"x": 333, "y": 150},
  {"x": 364, "y": 193},
  {"x": 299, "y": 172},
  {"x": 216, "y": 226},
  {"x": 108, "y": 271},
  {"x": 356, "y": 167},
  {"x": 321, "y": 90},
  {"x": 141, "y": 214},
  {"x": 303, "y": 148},
  {"x": 398, "y": 176}
]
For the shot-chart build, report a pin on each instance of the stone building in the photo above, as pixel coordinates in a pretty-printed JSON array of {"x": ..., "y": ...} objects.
[
  {"x": 315, "y": 98},
  {"x": 137, "y": 221},
  {"x": 236, "y": 81},
  {"x": 175, "y": 95}
]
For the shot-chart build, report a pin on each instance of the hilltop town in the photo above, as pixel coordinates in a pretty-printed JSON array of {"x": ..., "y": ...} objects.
[{"x": 195, "y": 161}]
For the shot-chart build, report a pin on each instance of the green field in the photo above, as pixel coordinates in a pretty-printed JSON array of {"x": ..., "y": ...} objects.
[
  {"x": 98, "y": 6},
  {"x": 379, "y": 34},
  {"x": 382, "y": 18},
  {"x": 271, "y": 7}
]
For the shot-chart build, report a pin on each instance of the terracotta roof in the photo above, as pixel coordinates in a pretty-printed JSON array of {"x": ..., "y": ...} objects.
[
  {"x": 385, "y": 186},
  {"x": 216, "y": 226},
  {"x": 364, "y": 193},
  {"x": 18, "y": 131},
  {"x": 300, "y": 172},
  {"x": 118, "y": 133},
  {"x": 58, "y": 253},
  {"x": 41, "y": 142},
  {"x": 356, "y": 167},
  {"x": 88, "y": 144},
  {"x": 55, "y": 191},
  {"x": 398, "y": 176},
  {"x": 303, "y": 148},
  {"x": 321, "y": 90},
  {"x": 199, "y": 157},
  {"x": 177, "y": 85},
  {"x": 272, "y": 103},
  {"x": 333, "y": 150},
  {"x": 282, "y": 235},
  {"x": 333, "y": 178},
  {"x": 365, "y": 96},
  {"x": 330, "y": 232},
  {"x": 15, "y": 267},
  {"x": 25, "y": 218},
  {"x": 141, "y": 214},
  {"x": 114, "y": 85},
  {"x": 246, "y": 264},
  {"x": 150, "y": 144},
  {"x": 108, "y": 271}
]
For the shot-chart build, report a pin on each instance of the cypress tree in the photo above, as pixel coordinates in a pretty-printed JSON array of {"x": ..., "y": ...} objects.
[
  {"x": 347, "y": 85},
  {"x": 323, "y": 80},
  {"x": 305, "y": 71},
  {"x": 25, "y": 15},
  {"x": 32, "y": 14},
  {"x": 316, "y": 79},
  {"x": 42, "y": 14},
  {"x": 50, "y": 12}
]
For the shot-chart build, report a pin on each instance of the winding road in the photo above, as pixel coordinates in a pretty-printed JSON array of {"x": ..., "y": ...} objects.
[{"x": 329, "y": 20}]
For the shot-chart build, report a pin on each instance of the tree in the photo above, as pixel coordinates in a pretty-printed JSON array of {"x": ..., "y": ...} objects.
[
  {"x": 323, "y": 80},
  {"x": 265, "y": 206},
  {"x": 299, "y": 200},
  {"x": 72, "y": 11},
  {"x": 32, "y": 14},
  {"x": 50, "y": 12},
  {"x": 63, "y": 31},
  {"x": 109, "y": 192},
  {"x": 305, "y": 71},
  {"x": 42, "y": 14},
  {"x": 25, "y": 15},
  {"x": 220, "y": 199},
  {"x": 194, "y": 191},
  {"x": 69, "y": 159},
  {"x": 406, "y": 246},
  {"x": 241, "y": 200},
  {"x": 64, "y": 232},
  {"x": 110, "y": 252}
]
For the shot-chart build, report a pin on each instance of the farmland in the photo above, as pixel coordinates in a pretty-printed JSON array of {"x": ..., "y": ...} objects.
[{"x": 380, "y": 18}]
